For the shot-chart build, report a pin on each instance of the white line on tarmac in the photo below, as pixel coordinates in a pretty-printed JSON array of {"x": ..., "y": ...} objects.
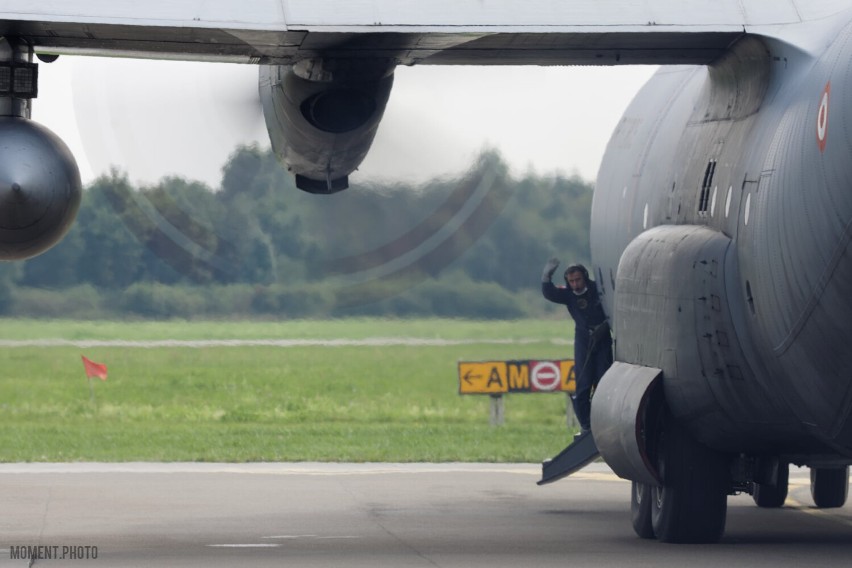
[
  {"x": 267, "y": 545},
  {"x": 596, "y": 471},
  {"x": 300, "y": 468},
  {"x": 310, "y": 536},
  {"x": 202, "y": 343}
]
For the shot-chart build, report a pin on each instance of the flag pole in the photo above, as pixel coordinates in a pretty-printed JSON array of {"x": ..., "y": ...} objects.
[{"x": 93, "y": 370}]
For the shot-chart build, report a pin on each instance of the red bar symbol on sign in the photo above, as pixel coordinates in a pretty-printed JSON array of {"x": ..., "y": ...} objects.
[{"x": 545, "y": 376}]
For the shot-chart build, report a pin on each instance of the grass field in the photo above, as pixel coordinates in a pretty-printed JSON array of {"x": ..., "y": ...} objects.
[{"x": 341, "y": 403}]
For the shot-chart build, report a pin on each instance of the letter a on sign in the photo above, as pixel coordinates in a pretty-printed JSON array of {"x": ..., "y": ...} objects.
[
  {"x": 494, "y": 379},
  {"x": 486, "y": 377}
]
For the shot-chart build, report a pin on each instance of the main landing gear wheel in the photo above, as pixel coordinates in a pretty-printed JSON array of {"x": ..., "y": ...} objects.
[
  {"x": 829, "y": 486},
  {"x": 773, "y": 496},
  {"x": 640, "y": 509},
  {"x": 691, "y": 505}
]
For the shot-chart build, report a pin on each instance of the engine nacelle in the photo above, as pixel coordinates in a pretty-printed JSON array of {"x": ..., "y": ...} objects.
[
  {"x": 322, "y": 116},
  {"x": 40, "y": 188},
  {"x": 626, "y": 409}
]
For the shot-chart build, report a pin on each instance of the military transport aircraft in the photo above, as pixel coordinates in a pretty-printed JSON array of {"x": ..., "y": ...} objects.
[{"x": 721, "y": 220}]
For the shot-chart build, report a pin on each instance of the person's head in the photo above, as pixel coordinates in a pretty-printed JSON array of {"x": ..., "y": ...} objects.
[{"x": 577, "y": 278}]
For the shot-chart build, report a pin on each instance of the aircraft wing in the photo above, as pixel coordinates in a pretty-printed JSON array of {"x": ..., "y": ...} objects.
[{"x": 481, "y": 32}]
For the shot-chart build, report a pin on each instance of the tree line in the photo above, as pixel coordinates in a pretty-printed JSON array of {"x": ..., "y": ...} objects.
[{"x": 472, "y": 246}]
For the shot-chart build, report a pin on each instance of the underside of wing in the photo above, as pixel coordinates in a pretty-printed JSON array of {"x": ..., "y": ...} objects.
[
  {"x": 536, "y": 32},
  {"x": 327, "y": 67}
]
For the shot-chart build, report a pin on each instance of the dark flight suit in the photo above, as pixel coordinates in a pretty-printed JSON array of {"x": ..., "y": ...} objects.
[{"x": 587, "y": 311}]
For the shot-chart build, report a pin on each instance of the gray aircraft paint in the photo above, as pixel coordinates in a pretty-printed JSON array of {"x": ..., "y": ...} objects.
[
  {"x": 767, "y": 365},
  {"x": 722, "y": 215}
]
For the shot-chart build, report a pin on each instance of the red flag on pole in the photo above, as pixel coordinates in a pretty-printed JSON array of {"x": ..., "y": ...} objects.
[{"x": 93, "y": 369}]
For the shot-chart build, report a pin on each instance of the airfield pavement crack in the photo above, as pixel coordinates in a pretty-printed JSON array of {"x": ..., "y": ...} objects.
[
  {"x": 43, "y": 523},
  {"x": 373, "y": 514}
]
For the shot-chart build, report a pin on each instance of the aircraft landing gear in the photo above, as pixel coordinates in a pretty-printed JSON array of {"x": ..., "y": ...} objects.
[
  {"x": 691, "y": 505},
  {"x": 640, "y": 509},
  {"x": 773, "y": 496},
  {"x": 829, "y": 486}
]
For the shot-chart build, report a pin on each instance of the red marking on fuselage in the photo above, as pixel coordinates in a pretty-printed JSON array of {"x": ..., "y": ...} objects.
[{"x": 822, "y": 118}]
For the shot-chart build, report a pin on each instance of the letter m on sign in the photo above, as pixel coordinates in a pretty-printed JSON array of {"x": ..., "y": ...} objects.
[{"x": 519, "y": 376}]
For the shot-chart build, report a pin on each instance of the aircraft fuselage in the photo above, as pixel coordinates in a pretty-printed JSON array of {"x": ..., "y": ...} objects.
[{"x": 721, "y": 230}]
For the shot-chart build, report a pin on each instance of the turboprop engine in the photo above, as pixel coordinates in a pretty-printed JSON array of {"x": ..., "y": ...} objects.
[{"x": 322, "y": 116}]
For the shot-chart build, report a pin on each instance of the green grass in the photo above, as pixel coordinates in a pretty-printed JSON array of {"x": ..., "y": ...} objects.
[{"x": 271, "y": 404}]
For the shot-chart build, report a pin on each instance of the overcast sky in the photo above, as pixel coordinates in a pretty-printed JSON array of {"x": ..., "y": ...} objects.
[{"x": 156, "y": 118}]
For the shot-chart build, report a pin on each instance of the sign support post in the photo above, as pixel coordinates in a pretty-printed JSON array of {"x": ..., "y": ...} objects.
[
  {"x": 570, "y": 417},
  {"x": 497, "y": 410}
]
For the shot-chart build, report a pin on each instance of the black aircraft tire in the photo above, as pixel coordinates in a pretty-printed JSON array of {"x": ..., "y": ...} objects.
[
  {"x": 691, "y": 506},
  {"x": 640, "y": 509},
  {"x": 829, "y": 486},
  {"x": 773, "y": 496}
]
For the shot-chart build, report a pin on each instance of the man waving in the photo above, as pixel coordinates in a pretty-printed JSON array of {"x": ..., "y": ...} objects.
[{"x": 592, "y": 341}]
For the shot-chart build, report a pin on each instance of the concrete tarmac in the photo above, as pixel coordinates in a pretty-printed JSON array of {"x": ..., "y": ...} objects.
[{"x": 393, "y": 515}]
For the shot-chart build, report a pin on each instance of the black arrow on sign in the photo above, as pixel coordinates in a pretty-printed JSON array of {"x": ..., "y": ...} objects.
[{"x": 467, "y": 377}]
